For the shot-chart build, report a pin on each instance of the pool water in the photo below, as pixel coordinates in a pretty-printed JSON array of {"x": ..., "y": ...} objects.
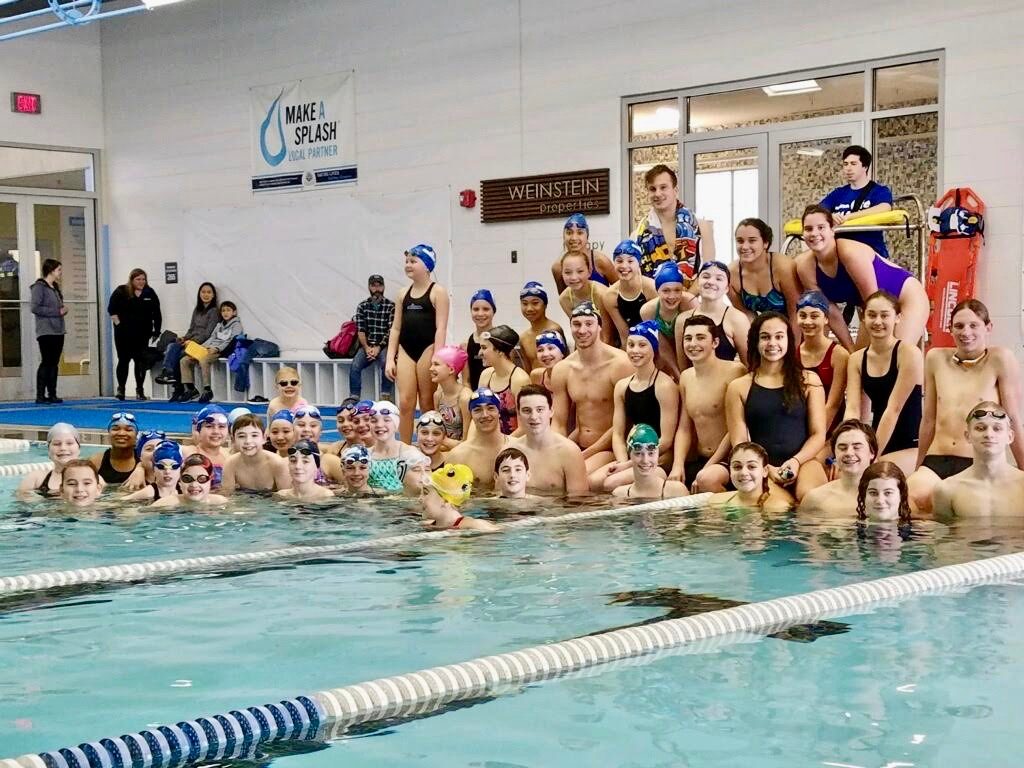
[
  {"x": 35, "y": 453},
  {"x": 100, "y": 661}
]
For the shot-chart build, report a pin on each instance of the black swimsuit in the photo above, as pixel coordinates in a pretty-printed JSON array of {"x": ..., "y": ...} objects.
[
  {"x": 780, "y": 431},
  {"x": 475, "y": 364},
  {"x": 110, "y": 475},
  {"x": 643, "y": 407},
  {"x": 419, "y": 324},
  {"x": 44, "y": 490},
  {"x": 879, "y": 390},
  {"x": 725, "y": 349},
  {"x": 630, "y": 308}
]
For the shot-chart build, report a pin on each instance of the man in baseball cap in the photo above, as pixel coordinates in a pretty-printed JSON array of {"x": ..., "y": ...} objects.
[{"x": 374, "y": 317}]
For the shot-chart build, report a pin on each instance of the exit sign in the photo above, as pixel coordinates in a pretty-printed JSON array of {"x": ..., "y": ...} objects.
[{"x": 26, "y": 103}]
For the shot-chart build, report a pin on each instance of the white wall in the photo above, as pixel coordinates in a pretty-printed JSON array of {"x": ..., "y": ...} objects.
[
  {"x": 64, "y": 67},
  {"x": 452, "y": 91}
]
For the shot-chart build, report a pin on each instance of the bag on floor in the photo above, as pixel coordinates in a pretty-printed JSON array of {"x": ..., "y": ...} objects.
[{"x": 345, "y": 342}]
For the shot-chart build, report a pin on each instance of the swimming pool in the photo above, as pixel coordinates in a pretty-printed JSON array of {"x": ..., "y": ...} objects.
[{"x": 98, "y": 661}]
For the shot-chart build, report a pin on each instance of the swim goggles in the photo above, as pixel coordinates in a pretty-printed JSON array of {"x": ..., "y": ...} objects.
[
  {"x": 428, "y": 418},
  {"x": 123, "y": 417},
  {"x": 351, "y": 461},
  {"x": 981, "y": 413},
  {"x": 213, "y": 418},
  {"x": 303, "y": 451},
  {"x": 166, "y": 464},
  {"x": 308, "y": 410},
  {"x": 201, "y": 479}
]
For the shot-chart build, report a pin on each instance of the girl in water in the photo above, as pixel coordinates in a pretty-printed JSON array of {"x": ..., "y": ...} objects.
[
  {"x": 481, "y": 310},
  {"x": 63, "y": 444},
  {"x": 626, "y": 298},
  {"x": 648, "y": 482},
  {"x": 430, "y": 437},
  {"x": 731, "y": 327},
  {"x": 579, "y": 287},
  {"x": 665, "y": 311},
  {"x": 759, "y": 280},
  {"x": 420, "y": 327},
  {"x": 821, "y": 354},
  {"x": 882, "y": 495},
  {"x": 551, "y": 350},
  {"x": 748, "y": 471},
  {"x": 502, "y": 376},
  {"x": 576, "y": 239},
  {"x": 890, "y": 374},
  {"x": 451, "y": 398},
  {"x": 779, "y": 406},
  {"x": 166, "y": 461},
  {"x": 387, "y": 450},
  {"x": 846, "y": 270}
]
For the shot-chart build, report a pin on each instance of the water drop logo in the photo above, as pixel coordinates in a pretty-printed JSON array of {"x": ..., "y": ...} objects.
[{"x": 278, "y": 158}]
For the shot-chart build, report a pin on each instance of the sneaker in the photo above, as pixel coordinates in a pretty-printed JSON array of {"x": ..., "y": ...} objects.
[
  {"x": 120, "y": 394},
  {"x": 206, "y": 397},
  {"x": 258, "y": 399},
  {"x": 54, "y": 399},
  {"x": 166, "y": 377},
  {"x": 188, "y": 394},
  {"x": 42, "y": 401},
  {"x": 140, "y": 395},
  {"x": 176, "y": 395}
]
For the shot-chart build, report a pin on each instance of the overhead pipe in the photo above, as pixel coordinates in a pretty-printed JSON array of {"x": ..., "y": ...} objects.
[
  {"x": 62, "y": 24},
  {"x": 41, "y": 11}
]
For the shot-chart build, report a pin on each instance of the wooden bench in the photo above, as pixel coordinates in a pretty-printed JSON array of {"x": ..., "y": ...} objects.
[{"x": 324, "y": 381}]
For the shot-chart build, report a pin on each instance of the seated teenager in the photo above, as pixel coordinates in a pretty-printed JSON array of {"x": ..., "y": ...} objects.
[
  {"x": 956, "y": 379},
  {"x": 748, "y": 473},
  {"x": 223, "y": 334},
  {"x": 533, "y": 305},
  {"x": 779, "y": 406},
  {"x": 63, "y": 444},
  {"x": 80, "y": 483},
  {"x": 990, "y": 486},
  {"x": 251, "y": 468},
  {"x": 701, "y": 445},
  {"x": 167, "y": 462},
  {"x": 451, "y": 398},
  {"x": 194, "y": 486},
  {"x": 823, "y": 355},
  {"x": 430, "y": 436},
  {"x": 502, "y": 376},
  {"x": 626, "y": 297},
  {"x": 576, "y": 239},
  {"x": 762, "y": 281},
  {"x": 854, "y": 448},
  {"x": 859, "y": 197},
  {"x": 450, "y": 488},
  {"x": 303, "y": 466},
  {"x": 732, "y": 325},
  {"x": 551, "y": 350},
  {"x": 649, "y": 397},
  {"x": 558, "y": 463},
  {"x": 882, "y": 495},
  {"x": 355, "y": 465},
  {"x": 512, "y": 474},
  {"x": 486, "y": 439},
  {"x": 649, "y": 481},
  {"x": 889, "y": 374},
  {"x": 289, "y": 392},
  {"x": 579, "y": 288}
]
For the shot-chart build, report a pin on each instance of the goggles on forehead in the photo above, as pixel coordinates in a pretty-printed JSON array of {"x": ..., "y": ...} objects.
[
  {"x": 430, "y": 418},
  {"x": 310, "y": 410},
  {"x": 168, "y": 464},
  {"x": 213, "y": 418},
  {"x": 123, "y": 417},
  {"x": 351, "y": 461},
  {"x": 302, "y": 450},
  {"x": 981, "y": 413}
]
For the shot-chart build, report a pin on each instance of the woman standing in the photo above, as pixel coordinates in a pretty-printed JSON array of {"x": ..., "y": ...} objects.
[
  {"x": 48, "y": 307},
  {"x": 420, "y": 327},
  {"x": 134, "y": 309}
]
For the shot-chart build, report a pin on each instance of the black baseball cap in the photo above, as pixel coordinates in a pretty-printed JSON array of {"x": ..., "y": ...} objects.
[{"x": 375, "y": 279}]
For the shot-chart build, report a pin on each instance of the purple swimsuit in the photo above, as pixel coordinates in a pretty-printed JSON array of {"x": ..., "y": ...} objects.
[{"x": 840, "y": 289}]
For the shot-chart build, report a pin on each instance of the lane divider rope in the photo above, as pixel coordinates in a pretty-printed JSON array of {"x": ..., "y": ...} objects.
[
  {"x": 12, "y": 470},
  {"x": 125, "y": 572},
  {"x": 10, "y": 445},
  {"x": 328, "y": 713}
]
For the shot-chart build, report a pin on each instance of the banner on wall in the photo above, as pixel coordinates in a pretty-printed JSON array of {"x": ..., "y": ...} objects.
[{"x": 303, "y": 134}]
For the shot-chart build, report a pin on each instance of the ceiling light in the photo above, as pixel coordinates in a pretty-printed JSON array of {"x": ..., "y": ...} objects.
[
  {"x": 663, "y": 119},
  {"x": 790, "y": 89}
]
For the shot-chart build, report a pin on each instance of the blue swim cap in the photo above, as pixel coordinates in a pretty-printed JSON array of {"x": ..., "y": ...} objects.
[
  {"x": 717, "y": 264},
  {"x": 815, "y": 299},
  {"x": 424, "y": 253},
  {"x": 668, "y": 273},
  {"x": 648, "y": 329},
  {"x": 145, "y": 437},
  {"x": 483, "y": 396},
  {"x": 533, "y": 288},
  {"x": 123, "y": 417},
  {"x": 237, "y": 413},
  {"x": 364, "y": 407},
  {"x": 356, "y": 453},
  {"x": 628, "y": 248},
  {"x": 483, "y": 295},
  {"x": 167, "y": 450},
  {"x": 554, "y": 338},
  {"x": 577, "y": 221},
  {"x": 585, "y": 309},
  {"x": 209, "y": 415},
  {"x": 283, "y": 415}
]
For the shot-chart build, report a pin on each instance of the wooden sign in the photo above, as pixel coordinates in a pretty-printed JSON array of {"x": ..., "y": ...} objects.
[{"x": 549, "y": 195}]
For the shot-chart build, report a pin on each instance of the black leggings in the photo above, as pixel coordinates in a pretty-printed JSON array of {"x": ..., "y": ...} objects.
[
  {"x": 129, "y": 349},
  {"x": 50, "y": 348}
]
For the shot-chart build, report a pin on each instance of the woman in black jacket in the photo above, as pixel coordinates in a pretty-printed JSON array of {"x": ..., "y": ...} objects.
[
  {"x": 134, "y": 309},
  {"x": 205, "y": 317},
  {"x": 48, "y": 307}
]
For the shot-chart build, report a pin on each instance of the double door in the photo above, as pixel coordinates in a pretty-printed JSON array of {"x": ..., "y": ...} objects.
[
  {"x": 34, "y": 228},
  {"x": 772, "y": 175}
]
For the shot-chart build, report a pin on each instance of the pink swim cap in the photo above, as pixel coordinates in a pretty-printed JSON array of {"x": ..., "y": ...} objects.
[{"x": 454, "y": 357}]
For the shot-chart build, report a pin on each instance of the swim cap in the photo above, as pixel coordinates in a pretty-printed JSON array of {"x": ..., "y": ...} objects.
[
  {"x": 814, "y": 299},
  {"x": 63, "y": 428},
  {"x": 167, "y": 450},
  {"x": 648, "y": 329},
  {"x": 483, "y": 396},
  {"x": 640, "y": 435},
  {"x": 430, "y": 418},
  {"x": 364, "y": 407},
  {"x": 145, "y": 437},
  {"x": 411, "y": 458},
  {"x": 425, "y": 254},
  {"x": 307, "y": 410},
  {"x": 453, "y": 483},
  {"x": 717, "y": 264},
  {"x": 385, "y": 408},
  {"x": 483, "y": 295},
  {"x": 577, "y": 221},
  {"x": 533, "y": 288},
  {"x": 554, "y": 338},
  {"x": 668, "y": 272},
  {"x": 452, "y": 356},
  {"x": 282, "y": 415},
  {"x": 502, "y": 337},
  {"x": 306, "y": 448},
  {"x": 628, "y": 248},
  {"x": 209, "y": 415},
  {"x": 199, "y": 460},
  {"x": 356, "y": 453},
  {"x": 123, "y": 417},
  {"x": 235, "y": 413},
  {"x": 585, "y": 309}
]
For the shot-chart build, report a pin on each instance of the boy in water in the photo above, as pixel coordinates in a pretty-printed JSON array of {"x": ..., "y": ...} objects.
[
  {"x": 355, "y": 466},
  {"x": 252, "y": 468},
  {"x": 80, "y": 483},
  {"x": 303, "y": 463},
  {"x": 854, "y": 447},
  {"x": 511, "y": 474}
]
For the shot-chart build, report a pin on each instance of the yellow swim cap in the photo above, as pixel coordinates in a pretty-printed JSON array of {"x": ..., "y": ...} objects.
[{"x": 453, "y": 483}]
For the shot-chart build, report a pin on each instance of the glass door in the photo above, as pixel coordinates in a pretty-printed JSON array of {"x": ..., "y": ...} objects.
[
  {"x": 725, "y": 181},
  {"x": 806, "y": 165},
  {"x": 34, "y": 228}
]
